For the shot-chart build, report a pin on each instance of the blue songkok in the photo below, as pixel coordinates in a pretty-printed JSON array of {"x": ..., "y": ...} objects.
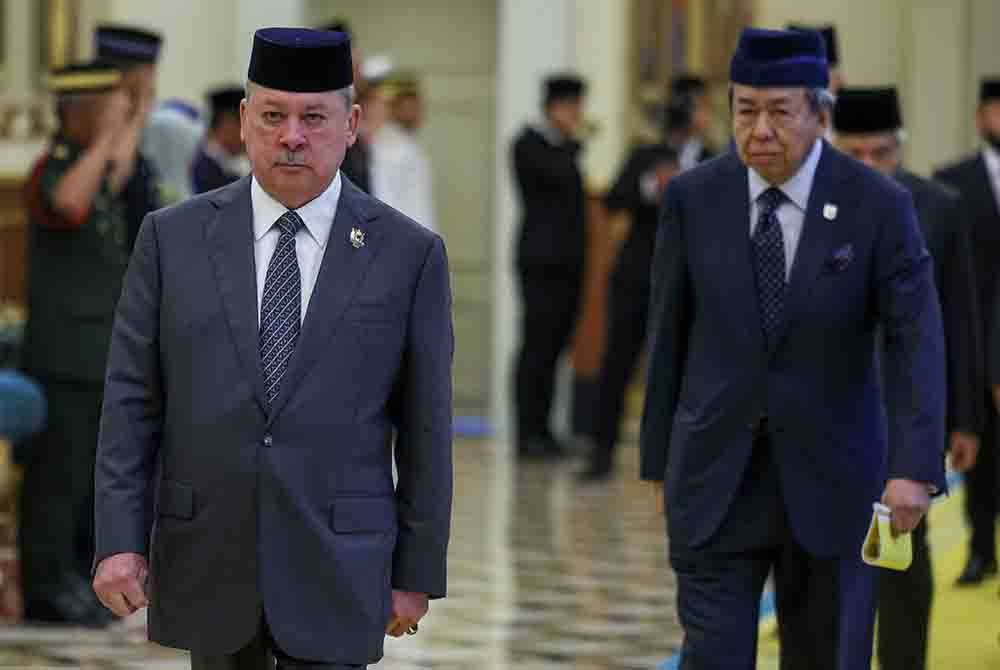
[{"x": 766, "y": 58}]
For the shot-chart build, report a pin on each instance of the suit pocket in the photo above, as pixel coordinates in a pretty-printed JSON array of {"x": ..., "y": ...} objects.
[
  {"x": 176, "y": 500},
  {"x": 363, "y": 515}
]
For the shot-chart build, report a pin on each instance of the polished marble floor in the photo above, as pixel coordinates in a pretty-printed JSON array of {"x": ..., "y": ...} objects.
[{"x": 544, "y": 574}]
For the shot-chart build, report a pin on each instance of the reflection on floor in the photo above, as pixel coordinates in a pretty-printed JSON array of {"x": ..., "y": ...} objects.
[{"x": 544, "y": 573}]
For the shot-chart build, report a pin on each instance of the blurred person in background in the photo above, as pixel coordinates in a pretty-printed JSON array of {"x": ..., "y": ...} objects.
[
  {"x": 357, "y": 160},
  {"x": 219, "y": 158},
  {"x": 400, "y": 167},
  {"x": 637, "y": 190},
  {"x": 170, "y": 141},
  {"x": 830, "y": 40},
  {"x": 77, "y": 254},
  {"x": 135, "y": 52},
  {"x": 977, "y": 179},
  {"x": 689, "y": 120},
  {"x": 550, "y": 256},
  {"x": 868, "y": 126}
]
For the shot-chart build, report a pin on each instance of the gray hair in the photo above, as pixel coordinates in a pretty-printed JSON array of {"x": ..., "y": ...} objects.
[
  {"x": 347, "y": 94},
  {"x": 819, "y": 99}
]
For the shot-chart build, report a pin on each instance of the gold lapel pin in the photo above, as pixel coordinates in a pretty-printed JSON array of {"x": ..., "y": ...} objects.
[
  {"x": 357, "y": 238},
  {"x": 829, "y": 211}
]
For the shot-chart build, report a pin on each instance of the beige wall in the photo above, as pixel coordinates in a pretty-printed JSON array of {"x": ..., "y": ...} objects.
[
  {"x": 207, "y": 43},
  {"x": 600, "y": 54},
  {"x": 452, "y": 47}
]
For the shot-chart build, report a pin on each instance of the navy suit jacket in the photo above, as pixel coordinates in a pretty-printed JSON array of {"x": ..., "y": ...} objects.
[
  {"x": 291, "y": 509},
  {"x": 207, "y": 174},
  {"x": 711, "y": 378}
]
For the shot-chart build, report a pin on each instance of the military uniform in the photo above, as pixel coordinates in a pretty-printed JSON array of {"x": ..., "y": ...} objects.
[
  {"x": 128, "y": 48},
  {"x": 75, "y": 279}
]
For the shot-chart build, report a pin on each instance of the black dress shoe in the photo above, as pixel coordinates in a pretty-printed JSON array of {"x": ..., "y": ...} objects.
[
  {"x": 554, "y": 447},
  {"x": 600, "y": 468},
  {"x": 976, "y": 570},
  {"x": 538, "y": 449}
]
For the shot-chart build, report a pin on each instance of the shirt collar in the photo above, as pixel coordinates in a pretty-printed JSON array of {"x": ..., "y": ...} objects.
[
  {"x": 992, "y": 158},
  {"x": 797, "y": 188},
  {"x": 693, "y": 146},
  {"x": 317, "y": 214},
  {"x": 552, "y": 135}
]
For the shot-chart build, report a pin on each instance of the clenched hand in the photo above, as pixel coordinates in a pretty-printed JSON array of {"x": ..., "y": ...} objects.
[
  {"x": 119, "y": 583},
  {"x": 908, "y": 500},
  {"x": 407, "y": 610}
]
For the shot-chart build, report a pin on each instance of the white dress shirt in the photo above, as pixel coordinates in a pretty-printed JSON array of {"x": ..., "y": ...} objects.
[
  {"x": 992, "y": 159},
  {"x": 310, "y": 241},
  {"x": 690, "y": 153},
  {"x": 401, "y": 174},
  {"x": 792, "y": 211}
]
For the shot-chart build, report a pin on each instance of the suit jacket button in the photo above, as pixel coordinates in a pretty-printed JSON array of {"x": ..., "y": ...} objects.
[{"x": 268, "y": 441}]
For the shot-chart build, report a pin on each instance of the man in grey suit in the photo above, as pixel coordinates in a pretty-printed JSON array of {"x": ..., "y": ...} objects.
[{"x": 272, "y": 338}]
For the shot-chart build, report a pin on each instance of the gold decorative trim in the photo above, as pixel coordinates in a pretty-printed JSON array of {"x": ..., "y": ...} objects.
[{"x": 83, "y": 81}]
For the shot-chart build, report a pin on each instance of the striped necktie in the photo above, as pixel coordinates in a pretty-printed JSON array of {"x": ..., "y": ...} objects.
[{"x": 281, "y": 306}]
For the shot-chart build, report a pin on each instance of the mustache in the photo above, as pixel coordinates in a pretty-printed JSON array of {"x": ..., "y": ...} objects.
[{"x": 293, "y": 158}]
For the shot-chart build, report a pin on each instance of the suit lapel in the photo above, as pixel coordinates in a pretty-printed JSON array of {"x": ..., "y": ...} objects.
[
  {"x": 340, "y": 275},
  {"x": 816, "y": 241},
  {"x": 735, "y": 251},
  {"x": 230, "y": 238}
]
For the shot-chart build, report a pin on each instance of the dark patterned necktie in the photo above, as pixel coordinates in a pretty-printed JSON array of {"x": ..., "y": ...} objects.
[
  {"x": 281, "y": 306},
  {"x": 769, "y": 262}
]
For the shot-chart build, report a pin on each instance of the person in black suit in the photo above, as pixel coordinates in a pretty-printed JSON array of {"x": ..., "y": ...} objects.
[
  {"x": 550, "y": 256},
  {"x": 764, "y": 415},
  {"x": 637, "y": 190},
  {"x": 868, "y": 123},
  {"x": 213, "y": 165},
  {"x": 688, "y": 120},
  {"x": 357, "y": 160},
  {"x": 977, "y": 178},
  {"x": 280, "y": 345}
]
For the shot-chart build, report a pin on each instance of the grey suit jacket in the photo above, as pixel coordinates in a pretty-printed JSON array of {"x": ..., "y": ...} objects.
[{"x": 290, "y": 510}]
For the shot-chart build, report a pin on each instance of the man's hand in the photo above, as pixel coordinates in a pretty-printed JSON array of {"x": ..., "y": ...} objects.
[
  {"x": 408, "y": 609},
  {"x": 908, "y": 501},
  {"x": 963, "y": 449},
  {"x": 115, "y": 114},
  {"x": 657, "y": 489},
  {"x": 119, "y": 583}
]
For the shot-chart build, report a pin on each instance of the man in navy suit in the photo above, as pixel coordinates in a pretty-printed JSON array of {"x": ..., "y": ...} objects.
[
  {"x": 215, "y": 162},
  {"x": 774, "y": 267},
  {"x": 279, "y": 343}
]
